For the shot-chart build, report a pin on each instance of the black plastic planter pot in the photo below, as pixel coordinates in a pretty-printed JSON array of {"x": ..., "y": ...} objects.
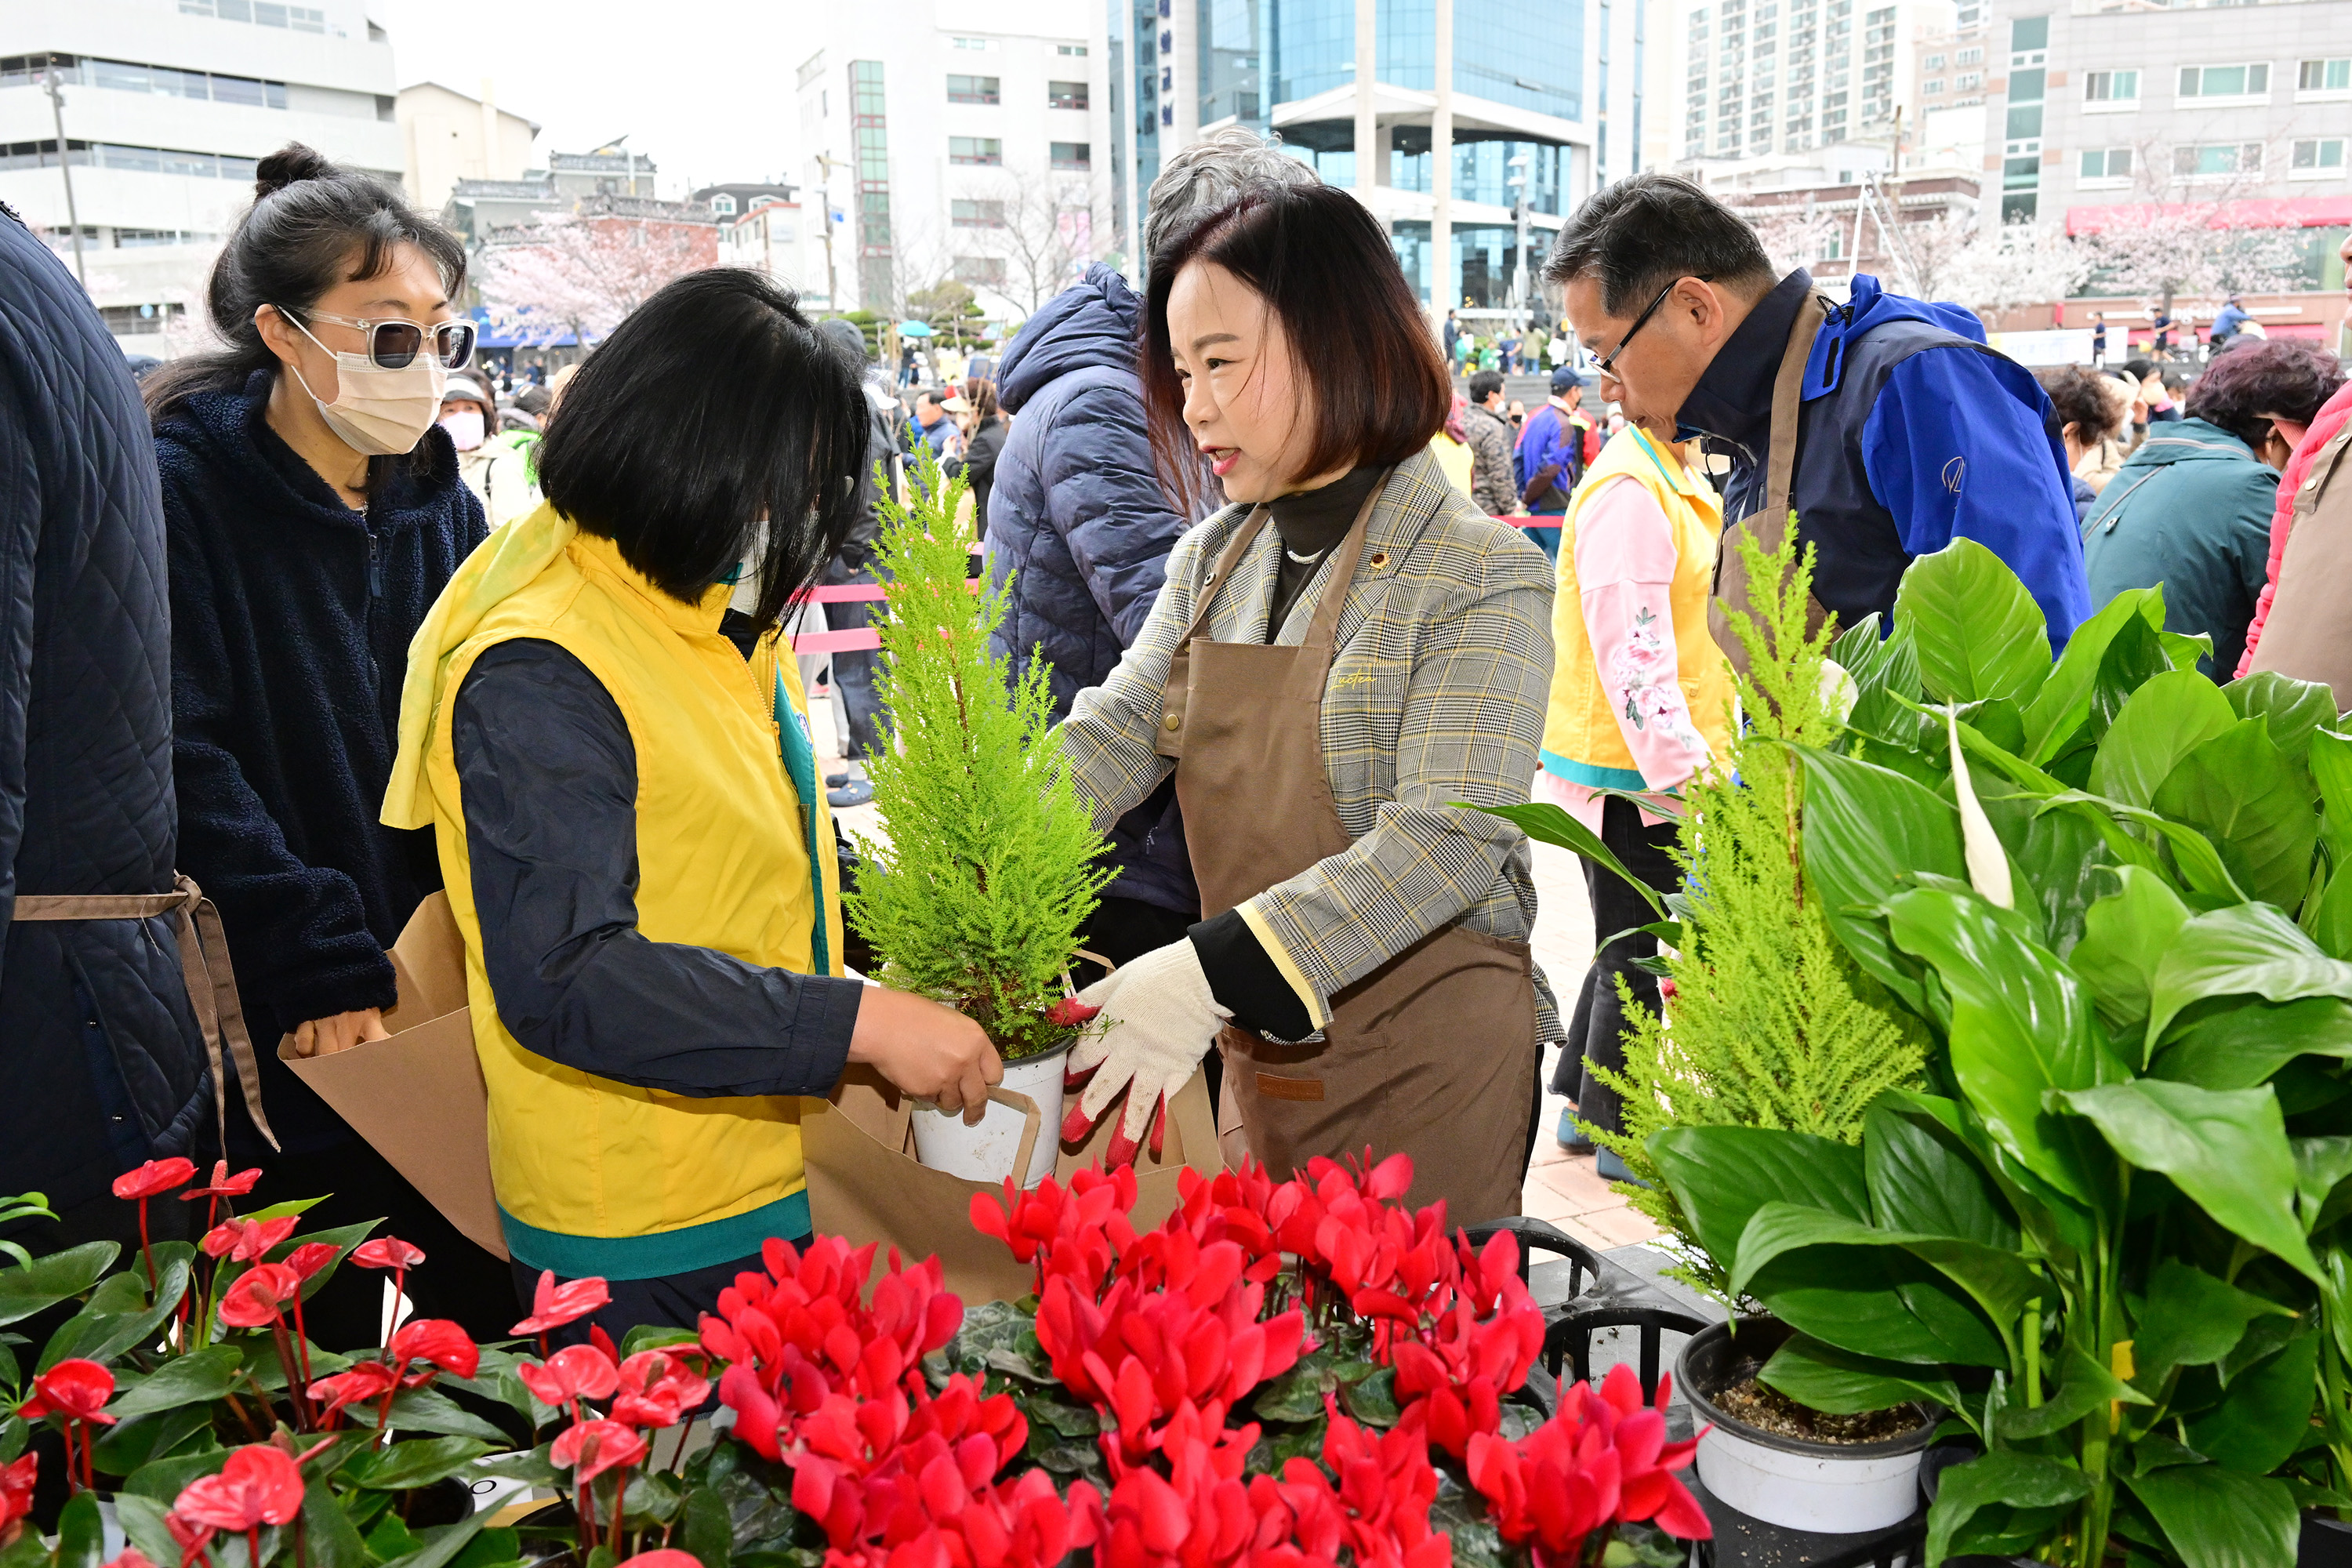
[
  {"x": 1834, "y": 1489},
  {"x": 2327, "y": 1543}
]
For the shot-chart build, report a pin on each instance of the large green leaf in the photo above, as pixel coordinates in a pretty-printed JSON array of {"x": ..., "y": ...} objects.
[
  {"x": 2059, "y": 707},
  {"x": 442, "y": 1545},
  {"x": 143, "y": 1524},
  {"x": 1924, "y": 1178},
  {"x": 1721, "y": 1175},
  {"x": 2227, "y": 1149},
  {"x": 1877, "y": 1301},
  {"x": 2254, "y": 803},
  {"x": 2247, "y": 950},
  {"x": 1999, "y": 1283},
  {"x": 30, "y": 1288},
  {"x": 1547, "y": 823},
  {"x": 2163, "y": 722},
  {"x": 2137, "y": 657},
  {"x": 1978, "y": 633},
  {"x": 2216, "y": 1518},
  {"x": 1839, "y": 1383},
  {"x": 82, "y": 1533},
  {"x": 1865, "y": 829},
  {"x": 2084, "y": 1386},
  {"x": 118, "y": 1316},
  {"x": 2189, "y": 1318},
  {"x": 2021, "y": 1026},
  {"x": 2330, "y": 920},
  {"x": 2005, "y": 1476},
  {"x": 2245, "y": 1044},
  {"x": 2296, "y": 708},
  {"x": 428, "y": 1410},
  {"x": 2125, "y": 937},
  {"x": 197, "y": 1378},
  {"x": 329, "y": 1539},
  {"x": 419, "y": 1462},
  {"x": 2267, "y": 1412},
  {"x": 2330, "y": 755},
  {"x": 2061, "y": 859}
]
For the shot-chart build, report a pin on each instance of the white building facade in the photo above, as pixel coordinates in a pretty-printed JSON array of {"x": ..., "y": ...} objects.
[
  {"x": 973, "y": 148},
  {"x": 1769, "y": 78},
  {"x": 168, "y": 105}
]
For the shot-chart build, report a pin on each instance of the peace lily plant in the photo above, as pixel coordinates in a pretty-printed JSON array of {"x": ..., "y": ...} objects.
[{"x": 2106, "y": 1234}]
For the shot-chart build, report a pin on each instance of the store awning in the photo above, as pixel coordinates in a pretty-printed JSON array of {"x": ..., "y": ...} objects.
[{"x": 2293, "y": 212}]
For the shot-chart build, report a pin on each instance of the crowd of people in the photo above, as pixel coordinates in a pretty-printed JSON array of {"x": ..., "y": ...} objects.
[{"x": 305, "y": 621}]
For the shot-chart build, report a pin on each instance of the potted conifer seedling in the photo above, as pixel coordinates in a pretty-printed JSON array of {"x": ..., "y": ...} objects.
[{"x": 990, "y": 864}]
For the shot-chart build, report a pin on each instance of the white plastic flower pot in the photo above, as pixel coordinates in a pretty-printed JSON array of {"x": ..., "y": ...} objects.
[
  {"x": 991, "y": 1151},
  {"x": 1833, "y": 1488}
]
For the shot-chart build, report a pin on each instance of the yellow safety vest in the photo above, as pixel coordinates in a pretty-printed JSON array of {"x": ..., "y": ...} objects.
[
  {"x": 1584, "y": 742},
  {"x": 599, "y": 1177}
]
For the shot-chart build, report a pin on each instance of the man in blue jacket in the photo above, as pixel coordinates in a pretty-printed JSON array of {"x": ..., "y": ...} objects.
[
  {"x": 103, "y": 1062},
  {"x": 1080, "y": 523},
  {"x": 1885, "y": 422}
]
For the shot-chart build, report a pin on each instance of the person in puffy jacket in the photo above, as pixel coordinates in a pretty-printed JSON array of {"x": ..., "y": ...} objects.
[
  {"x": 314, "y": 509},
  {"x": 1492, "y": 489},
  {"x": 2192, "y": 509},
  {"x": 1079, "y": 523},
  {"x": 102, "y": 1058}
]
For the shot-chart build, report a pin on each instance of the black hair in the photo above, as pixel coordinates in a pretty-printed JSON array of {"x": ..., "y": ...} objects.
[
  {"x": 1326, "y": 269},
  {"x": 714, "y": 407},
  {"x": 313, "y": 224},
  {"x": 1641, "y": 233},
  {"x": 2138, "y": 368},
  {"x": 2242, "y": 390},
  {"x": 1484, "y": 384}
]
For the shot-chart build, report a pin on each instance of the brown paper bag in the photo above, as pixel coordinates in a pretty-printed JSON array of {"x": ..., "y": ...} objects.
[
  {"x": 866, "y": 1184},
  {"x": 418, "y": 1097}
]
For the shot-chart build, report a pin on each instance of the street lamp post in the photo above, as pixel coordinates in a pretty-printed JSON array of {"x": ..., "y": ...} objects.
[
  {"x": 65, "y": 164},
  {"x": 1518, "y": 181}
]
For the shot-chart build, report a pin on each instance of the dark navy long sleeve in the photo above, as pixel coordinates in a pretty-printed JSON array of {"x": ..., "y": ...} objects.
[{"x": 548, "y": 777}]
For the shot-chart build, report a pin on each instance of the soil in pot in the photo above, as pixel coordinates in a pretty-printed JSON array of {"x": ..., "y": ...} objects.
[{"x": 1769, "y": 1410}]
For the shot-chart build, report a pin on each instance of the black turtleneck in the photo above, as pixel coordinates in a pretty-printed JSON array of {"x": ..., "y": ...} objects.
[
  {"x": 1310, "y": 522},
  {"x": 1733, "y": 399}
]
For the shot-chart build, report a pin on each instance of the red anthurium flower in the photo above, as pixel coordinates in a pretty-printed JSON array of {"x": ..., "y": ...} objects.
[
  {"x": 223, "y": 1185},
  {"x": 438, "y": 1341},
  {"x": 254, "y": 1299},
  {"x": 311, "y": 1257},
  {"x": 592, "y": 1447},
  {"x": 16, "y": 1480},
  {"x": 257, "y": 1486},
  {"x": 552, "y": 1305},
  {"x": 75, "y": 1389},
  {"x": 570, "y": 1375},
  {"x": 664, "y": 1557},
  {"x": 386, "y": 1252},
  {"x": 131, "y": 1557},
  {"x": 364, "y": 1385},
  {"x": 247, "y": 1240},
  {"x": 154, "y": 1178}
]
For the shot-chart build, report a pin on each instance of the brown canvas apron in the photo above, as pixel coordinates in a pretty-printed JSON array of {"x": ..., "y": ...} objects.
[
  {"x": 204, "y": 965},
  {"x": 1434, "y": 1053},
  {"x": 1768, "y": 525}
]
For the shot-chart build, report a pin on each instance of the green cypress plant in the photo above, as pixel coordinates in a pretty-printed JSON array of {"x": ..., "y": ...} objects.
[{"x": 991, "y": 864}]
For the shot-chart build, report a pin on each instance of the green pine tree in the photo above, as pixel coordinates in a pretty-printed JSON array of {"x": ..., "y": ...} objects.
[
  {"x": 990, "y": 865},
  {"x": 1771, "y": 1023}
]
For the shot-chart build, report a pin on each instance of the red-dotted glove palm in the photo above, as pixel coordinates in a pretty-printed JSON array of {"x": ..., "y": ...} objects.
[{"x": 1156, "y": 1019}]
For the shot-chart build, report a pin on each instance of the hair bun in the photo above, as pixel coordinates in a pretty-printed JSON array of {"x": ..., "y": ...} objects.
[{"x": 291, "y": 164}]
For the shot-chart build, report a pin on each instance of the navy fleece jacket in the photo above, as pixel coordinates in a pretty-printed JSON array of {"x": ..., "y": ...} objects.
[{"x": 291, "y": 617}]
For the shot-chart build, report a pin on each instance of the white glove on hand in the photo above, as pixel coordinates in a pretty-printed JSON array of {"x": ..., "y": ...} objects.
[{"x": 1157, "y": 1019}]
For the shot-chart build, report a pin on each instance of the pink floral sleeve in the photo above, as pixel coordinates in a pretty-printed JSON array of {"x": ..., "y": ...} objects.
[{"x": 1624, "y": 567}]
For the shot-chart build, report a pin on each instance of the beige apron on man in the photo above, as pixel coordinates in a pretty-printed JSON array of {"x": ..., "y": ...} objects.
[
  {"x": 1434, "y": 1053},
  {"x": 1769, "y": 525}
]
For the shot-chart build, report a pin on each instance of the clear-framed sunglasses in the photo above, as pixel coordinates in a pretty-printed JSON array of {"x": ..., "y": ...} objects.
[{"x": 395, "y": 343}]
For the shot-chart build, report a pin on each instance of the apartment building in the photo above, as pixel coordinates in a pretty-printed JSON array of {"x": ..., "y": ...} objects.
[
  {"x": 1761, "y": 78},
  {"x": 167, "y": 107},
  {"x": 976, "y": 152}
]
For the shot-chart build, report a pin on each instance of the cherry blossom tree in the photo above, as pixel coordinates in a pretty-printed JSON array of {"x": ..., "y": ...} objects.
[
  {"x": 581, "y": 274},
  {"x": 2013, "y": 267}
]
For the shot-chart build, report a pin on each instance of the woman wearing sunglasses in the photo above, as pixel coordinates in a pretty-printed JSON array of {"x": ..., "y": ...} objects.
[{"x": 314, "y": 512}]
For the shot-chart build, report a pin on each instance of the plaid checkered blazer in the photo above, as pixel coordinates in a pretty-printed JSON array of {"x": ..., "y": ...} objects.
[{"x": 1437, "y": 694}]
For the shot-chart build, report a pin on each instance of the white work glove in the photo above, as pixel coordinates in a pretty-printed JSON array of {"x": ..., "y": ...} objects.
[{"x": 1156, "y": 1019}]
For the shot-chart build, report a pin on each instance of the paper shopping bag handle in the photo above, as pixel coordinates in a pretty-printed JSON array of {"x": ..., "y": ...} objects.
[{"x": 1032, "y": 1120}]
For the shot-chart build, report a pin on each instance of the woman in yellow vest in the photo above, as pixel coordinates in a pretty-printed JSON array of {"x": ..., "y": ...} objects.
[
  {"x": 1639, "y": 701},
  {"x": 636, "y": 845}
]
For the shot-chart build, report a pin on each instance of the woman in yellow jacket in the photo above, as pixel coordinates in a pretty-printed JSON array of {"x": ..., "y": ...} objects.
[
  {"x": 635, "y": 843},
  {"x": 1639, "y": 701}
]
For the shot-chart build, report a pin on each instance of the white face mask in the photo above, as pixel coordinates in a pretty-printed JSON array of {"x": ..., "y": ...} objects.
[
  {"x": 379, "y": 413},
  {"x": 465, "y": 427}
]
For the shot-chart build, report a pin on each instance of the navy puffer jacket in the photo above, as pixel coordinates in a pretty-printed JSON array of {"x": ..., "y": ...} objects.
[
  {"x": 1079, "y": 522},
  {"x": 99, "y": 1050}
]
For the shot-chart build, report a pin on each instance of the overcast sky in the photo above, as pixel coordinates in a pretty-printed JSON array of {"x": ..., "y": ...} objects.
[{"x": 705, "y": 86}]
